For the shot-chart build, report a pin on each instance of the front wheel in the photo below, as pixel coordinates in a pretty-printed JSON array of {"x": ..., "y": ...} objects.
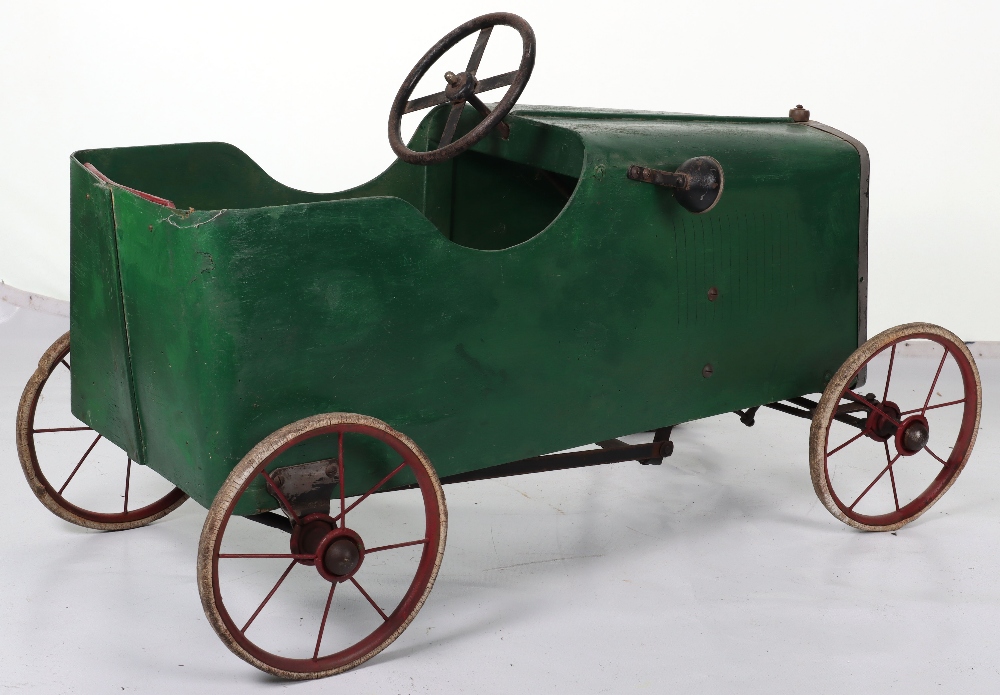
[
  {"x": 330, "y": 584},
  {"x": 881, "y": 454}
]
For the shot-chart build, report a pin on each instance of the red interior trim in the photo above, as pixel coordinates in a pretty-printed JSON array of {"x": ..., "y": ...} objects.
[{"x": 152, "y": 198}]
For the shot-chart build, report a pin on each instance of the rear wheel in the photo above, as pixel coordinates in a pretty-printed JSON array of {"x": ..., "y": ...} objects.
[
  {"x": 349, "y": 578},
  {"x": 881, "y": 454},
  {"x": 75, "y": 472}
]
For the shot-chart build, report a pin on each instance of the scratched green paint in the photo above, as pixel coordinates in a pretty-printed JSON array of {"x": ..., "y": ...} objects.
[{"x": 468, "y": 305}]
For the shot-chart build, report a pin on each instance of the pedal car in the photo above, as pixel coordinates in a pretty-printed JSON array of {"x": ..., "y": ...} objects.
[{"x": 520, "y": 281}]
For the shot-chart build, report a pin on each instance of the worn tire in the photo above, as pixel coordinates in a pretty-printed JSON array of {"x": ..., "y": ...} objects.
[
  {"x": 823, "y": 416},
  {"x": 43, "y": 490},
  {"x": 220, "y": 512}
]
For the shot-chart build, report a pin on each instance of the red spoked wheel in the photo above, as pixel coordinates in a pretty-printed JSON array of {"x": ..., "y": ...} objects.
[
  {"x": 881, "y": 454},
  {"x": 342, "y": 585},
  {"x": 75, "y": 472}
]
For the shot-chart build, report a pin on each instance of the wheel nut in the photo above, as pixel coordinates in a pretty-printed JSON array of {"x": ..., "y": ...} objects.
[
  {"x": 707, "y": 371},
  {"x": 341, "y": 557},
  {"x": 713, "y": 294},
  {"x": 916, "y": 436}
]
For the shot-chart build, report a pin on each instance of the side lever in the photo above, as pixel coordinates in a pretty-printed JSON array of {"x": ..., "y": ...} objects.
[{"x": 697, "y": 183}]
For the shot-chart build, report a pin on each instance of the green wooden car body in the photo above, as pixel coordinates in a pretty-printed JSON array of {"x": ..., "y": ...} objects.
[{"x": 523, "y": 298}]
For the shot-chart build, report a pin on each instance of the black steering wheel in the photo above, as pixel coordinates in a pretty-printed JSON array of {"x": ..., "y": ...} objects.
[{"x": 462, "y": 88}]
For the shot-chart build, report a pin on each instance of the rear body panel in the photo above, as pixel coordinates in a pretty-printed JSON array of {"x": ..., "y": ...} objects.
[{"x": 102, "y": 383}]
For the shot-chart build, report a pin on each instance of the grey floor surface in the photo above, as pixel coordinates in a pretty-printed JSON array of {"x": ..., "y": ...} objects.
[{"x": 717, "y": 572}]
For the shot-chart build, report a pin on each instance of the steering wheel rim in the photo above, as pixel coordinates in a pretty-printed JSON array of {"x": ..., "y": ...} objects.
[{"x": 463, "y": 88}]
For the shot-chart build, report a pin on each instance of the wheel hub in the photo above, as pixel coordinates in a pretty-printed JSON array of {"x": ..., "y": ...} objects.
[
  {"x": 460, "y": 87},
  {"x": 309, "y": 534},
  {"x": 881, "y": 425},
  {"x": 913, "y": 435},
  {"x": 339, "y": 555}
]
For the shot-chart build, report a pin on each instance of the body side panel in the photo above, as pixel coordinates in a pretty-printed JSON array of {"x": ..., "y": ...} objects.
[{"x": 245, "y": 320}]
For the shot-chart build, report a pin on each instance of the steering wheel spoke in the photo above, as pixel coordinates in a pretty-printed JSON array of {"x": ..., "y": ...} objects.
[
  {"x": 495, "y": 82},
  {"x": 477, "y": 52},
  {"x": 426, "y": 102},
  {"x": 462, "y": 88},
  {"x": 451, "y": 124}
]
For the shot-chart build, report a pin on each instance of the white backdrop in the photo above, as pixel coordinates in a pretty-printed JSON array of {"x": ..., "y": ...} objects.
[{"x": 305, "y": 89}]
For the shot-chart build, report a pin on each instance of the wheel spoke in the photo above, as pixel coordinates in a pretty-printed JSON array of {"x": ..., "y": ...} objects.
[
  {"x": 872, "y": 484},
  {"x": 63, "y": 429},
  {"x": 282, "y": 500},
  {"x": 340, "y": 475},
  {"x": 370, "y": 600},
  {"x": 82, "y": 459},
  {"x": 892, "y": 475},
  {"x": 888, "y": 376},
  {"x": 371, "y": 492},
  {"x": 269, "y": 556},
  {"x": 322, "y": 624},
  {"x": 422, "y": 541},
  {"x": 477, "y": 52},
  {"x": 934, "y": 383},
  {"x": 852, "y": 439},
  {"x": 932, "y": 407},
  {"x": 65, "y": 364},
  {"x": 128, "y": 476},
  {"x": 269, "y": 595},
  {"x": 451, "y": 124},
  {"x": 864, "y": 401},
  {"x": 938, "y": 458},
  {"x": 495, "y": 82}
]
